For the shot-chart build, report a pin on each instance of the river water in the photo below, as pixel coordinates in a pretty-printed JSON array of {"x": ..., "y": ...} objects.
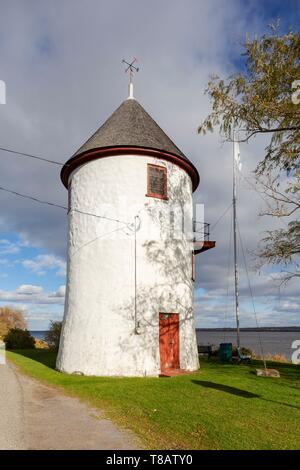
[{"x": 274, "y": 342}]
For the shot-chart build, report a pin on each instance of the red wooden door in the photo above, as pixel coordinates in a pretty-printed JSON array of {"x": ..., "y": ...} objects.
[{"x": 169, "y": 340}]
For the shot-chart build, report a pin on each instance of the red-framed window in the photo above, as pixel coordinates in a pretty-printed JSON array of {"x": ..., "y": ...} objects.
[{"x": 157, "y": 181}]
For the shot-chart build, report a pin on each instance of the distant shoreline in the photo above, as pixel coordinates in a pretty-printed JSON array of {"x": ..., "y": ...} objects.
[
  {"x": 267, "y": 328},
  {"x": 263, "y": 328}
]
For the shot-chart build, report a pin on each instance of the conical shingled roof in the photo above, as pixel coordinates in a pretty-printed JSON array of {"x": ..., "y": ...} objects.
[
  {"x": 130, "y": 125},
  {"x": 129, "y": 129}
]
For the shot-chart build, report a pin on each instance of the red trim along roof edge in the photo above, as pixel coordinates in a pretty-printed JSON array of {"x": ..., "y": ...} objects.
[{"x": 90, "y": 155}]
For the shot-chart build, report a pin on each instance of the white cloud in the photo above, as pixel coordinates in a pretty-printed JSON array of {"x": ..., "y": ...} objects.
[
  {"x": 19, "y": 306},
  {"x": 43, "y": 317},
  {"x": 8, "y": 248},
  {"x": 43, "y": 263},
  {"x": 29, "y": 289},
  {"x": 60, "y": 293},
  {"x": 32, "y": 294},
  {"x": 274, "y": 304}
]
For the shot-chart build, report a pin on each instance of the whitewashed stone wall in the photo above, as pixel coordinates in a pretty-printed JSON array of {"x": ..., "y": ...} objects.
[{"x": 98, "y": 336}]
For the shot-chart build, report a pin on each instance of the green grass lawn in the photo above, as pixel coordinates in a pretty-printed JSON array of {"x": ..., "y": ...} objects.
[{"x": 218, "y": 407}]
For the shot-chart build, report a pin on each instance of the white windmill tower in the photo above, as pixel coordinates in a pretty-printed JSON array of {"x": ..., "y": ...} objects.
[{"x": 129, "y": 293}]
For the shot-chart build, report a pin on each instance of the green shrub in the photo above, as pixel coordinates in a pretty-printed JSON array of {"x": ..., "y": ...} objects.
[
  {"x": 53, "y": 335},
  {"x": 17, "y": 338}
]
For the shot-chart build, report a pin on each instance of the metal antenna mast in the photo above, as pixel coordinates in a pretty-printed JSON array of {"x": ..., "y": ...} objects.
[
  {"x": 131, "y": 69},
  {"x": 236, "y": 279}
]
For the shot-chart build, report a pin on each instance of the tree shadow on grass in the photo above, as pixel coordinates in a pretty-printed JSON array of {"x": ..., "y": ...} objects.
[
  {"x": 238, "y": 392},
  {"x": 282, "y": 403},
  {"x": 43, "y": 356},
  {"x": 226, "y": 388}
]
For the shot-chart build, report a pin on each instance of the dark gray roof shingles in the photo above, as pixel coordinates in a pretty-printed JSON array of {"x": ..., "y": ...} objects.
[{"x": 131, "y": 126}]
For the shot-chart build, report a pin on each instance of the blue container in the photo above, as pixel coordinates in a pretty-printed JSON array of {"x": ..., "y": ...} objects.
[{"x": 225, "y": 352}]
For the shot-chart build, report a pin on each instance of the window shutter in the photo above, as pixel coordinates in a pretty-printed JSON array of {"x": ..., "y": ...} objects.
[{"x": 157, "y": 181}]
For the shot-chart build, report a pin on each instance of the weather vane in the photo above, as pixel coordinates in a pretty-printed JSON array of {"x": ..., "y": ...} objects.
[{"x": 131, "y": 69}]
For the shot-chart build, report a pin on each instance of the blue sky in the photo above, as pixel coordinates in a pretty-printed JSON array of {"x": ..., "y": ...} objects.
[
  {"x": 31, "y": 280},
  {"x": 61, "y": 62},
  {"x": 270, "y": 10}
]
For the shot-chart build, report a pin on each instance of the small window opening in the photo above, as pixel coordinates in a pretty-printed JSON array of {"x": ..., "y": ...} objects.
[{"x": 157, "y": 181}]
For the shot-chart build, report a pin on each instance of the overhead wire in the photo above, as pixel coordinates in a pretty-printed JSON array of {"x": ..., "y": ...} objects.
[
  {"x": 37, "y": 157},
  {"x": 221, "y": 217},
  {"x": 40, "y": 201},
  {"x": 264, "y": 199},
  {"x": 32, "y": 198},
  {"x": 30, "y": 155},
  {"x": 252, "y": 298},
  {"x": 97, "y": 238}
]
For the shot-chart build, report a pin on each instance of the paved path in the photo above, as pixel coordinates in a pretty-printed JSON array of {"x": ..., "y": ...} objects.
[{"x": 35, "y": 416}]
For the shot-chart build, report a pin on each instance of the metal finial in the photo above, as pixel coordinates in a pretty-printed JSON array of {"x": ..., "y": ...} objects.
[{"x": 132, "y": 69}]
